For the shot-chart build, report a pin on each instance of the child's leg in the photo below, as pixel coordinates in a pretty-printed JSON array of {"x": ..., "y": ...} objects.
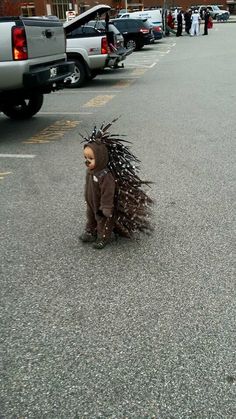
[
  {"x": 104, "y": 231},
  {"x": 90, "y": 233},
  {"x": 91, "y": 225}
]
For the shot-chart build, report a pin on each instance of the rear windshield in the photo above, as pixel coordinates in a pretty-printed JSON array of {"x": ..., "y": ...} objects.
[
  {"x": 101, "y": 24},
  {"x": 138, "y": 23},
  {"x": 83, "y": 32}
]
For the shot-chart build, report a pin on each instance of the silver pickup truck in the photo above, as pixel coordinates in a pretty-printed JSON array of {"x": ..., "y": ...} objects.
[
  {"x": 32, "y": 62},
  {"x": 92, "y": 48}
]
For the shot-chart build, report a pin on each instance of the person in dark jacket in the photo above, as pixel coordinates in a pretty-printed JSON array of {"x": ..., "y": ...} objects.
[
  {"x": 206, "y": 18},
  {"x": 114, "y": 196},
  {"x": 179, "y": 24},
  {"x": 187, "y": 18}
]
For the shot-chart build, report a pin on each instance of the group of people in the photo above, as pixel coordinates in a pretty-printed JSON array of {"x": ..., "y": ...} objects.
[{"x": 192, "y": 21}]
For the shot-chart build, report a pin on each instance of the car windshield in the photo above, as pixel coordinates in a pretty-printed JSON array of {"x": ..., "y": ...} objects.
[{"x": 215, "y": 8}]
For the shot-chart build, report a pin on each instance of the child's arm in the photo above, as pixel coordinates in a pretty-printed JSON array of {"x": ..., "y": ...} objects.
[{"x": 107, "y": 195}]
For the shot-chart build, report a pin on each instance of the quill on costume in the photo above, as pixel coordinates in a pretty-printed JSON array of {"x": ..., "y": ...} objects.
[{"x": 131, "y": 205}]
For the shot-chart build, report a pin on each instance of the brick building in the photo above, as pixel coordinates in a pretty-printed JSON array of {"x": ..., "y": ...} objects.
[{"x": 59, "y": 7}]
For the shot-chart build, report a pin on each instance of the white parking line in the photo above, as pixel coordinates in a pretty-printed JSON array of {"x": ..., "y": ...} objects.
[
  {"x": 93, "y": 91},
  {"x": 65, "y": 113},
  {"x": 127, "y": 76},
  {"x": 140, "y": 66},
  {"x": 18, "y": 156}
]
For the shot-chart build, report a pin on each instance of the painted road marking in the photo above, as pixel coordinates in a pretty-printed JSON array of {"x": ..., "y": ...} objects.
[
  {"x": 149, "y": 59},
  {"x": 138, "y": 71},
  {"x": 65, "y": 113},
  {"x": 138, "y": 65},
  {"x": 92, "y": 91},
  {"x": 53, "y": 132},
  {"x": 18, "y": 156},
  {"x": 98, "y": 101},
  {"x": 120, "y": 78},
  {"x": 3, "y": 174},
  {"x": 123, "y": 83}
]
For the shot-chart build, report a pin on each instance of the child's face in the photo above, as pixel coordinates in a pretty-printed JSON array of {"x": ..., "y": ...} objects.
[{"x": 89, "y": 158}]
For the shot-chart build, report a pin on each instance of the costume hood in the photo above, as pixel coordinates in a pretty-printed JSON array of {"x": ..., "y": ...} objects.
[{"x": 101, "y": 155}]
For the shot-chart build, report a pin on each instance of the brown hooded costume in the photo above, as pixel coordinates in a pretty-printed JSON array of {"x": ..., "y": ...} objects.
[
  {"x": 99, "y": 194},
  {"x": 114, "y": 191}
]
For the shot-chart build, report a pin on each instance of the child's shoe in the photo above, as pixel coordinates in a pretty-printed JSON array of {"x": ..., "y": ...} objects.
[
  {"x": 100, "y": 243},
  {"x": 88, "y": 237}
]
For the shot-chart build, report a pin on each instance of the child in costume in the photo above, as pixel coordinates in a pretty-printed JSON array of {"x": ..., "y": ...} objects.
[{"x": 113, "y": 190}]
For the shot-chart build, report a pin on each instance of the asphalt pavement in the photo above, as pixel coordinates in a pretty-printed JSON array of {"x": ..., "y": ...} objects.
[{"x": 146, "y": 327}]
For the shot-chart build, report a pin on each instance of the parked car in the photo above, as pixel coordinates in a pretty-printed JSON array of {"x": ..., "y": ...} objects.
[
  {"x": 214, "y": 11},
  {"x": 136, "y": 32},
  {"x": 222, "y": 17},
  {"x": 89, "y": 48},
  {"x": 157, "y": 30},
  {"x": 153, "y": 17}
]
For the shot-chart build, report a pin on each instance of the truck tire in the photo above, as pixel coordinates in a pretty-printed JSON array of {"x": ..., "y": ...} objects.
[
  {"x": 93, "y": 74},
  {"x": 78, "y": 78},
  {"x": 24, "y": 110}
]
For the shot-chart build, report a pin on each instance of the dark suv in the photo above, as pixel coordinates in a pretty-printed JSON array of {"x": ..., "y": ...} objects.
[{"x": 136, "y": 32}]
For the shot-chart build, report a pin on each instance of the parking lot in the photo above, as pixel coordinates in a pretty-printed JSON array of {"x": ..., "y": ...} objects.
[{"x": 146, "y": 327}]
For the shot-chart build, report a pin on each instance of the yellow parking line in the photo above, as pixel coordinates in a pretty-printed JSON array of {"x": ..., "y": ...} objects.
[
  {"x": 123, "y": 83},
  {"x": 3, "y": 174},
  {"x": 53, "y": 132},
  {"x": 138, "y": 71},
  {"x": 98, "y": 101}
]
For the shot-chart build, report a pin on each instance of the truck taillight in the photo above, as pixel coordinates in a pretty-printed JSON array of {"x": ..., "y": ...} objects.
[
  {"x": 104, "y": 45},
  {"x": 19, "y": 43}
]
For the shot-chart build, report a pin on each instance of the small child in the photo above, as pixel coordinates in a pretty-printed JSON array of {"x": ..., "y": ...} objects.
[{"x": 115, "y": 201}]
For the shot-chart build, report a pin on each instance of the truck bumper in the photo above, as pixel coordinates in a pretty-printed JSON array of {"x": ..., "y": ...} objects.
[{"x": 52, "y": 76}]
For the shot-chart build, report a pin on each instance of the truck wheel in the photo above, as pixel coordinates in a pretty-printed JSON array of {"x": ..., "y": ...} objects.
[
  {"x": 93, "y": 74},
  {"x": 25, "y": 109},
  {"x": 77, "y": 79}
]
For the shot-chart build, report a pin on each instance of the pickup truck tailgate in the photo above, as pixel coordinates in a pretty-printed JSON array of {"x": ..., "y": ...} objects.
[{"x": 44, "y": 37}]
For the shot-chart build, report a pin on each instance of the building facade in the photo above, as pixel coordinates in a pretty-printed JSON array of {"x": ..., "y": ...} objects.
[{"x": 60, "y": 7}]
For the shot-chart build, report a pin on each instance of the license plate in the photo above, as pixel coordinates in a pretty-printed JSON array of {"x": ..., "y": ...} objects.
[{"x": 53, "y": 72}]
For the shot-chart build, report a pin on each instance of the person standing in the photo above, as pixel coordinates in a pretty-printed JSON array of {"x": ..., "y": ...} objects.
[
  {"x": 179, "y": 24},
  {"x": 195, "y": 23},
  {"x": 206, "y": 21},
  {"x": 187, "y": 18},
  {"x": 170, "y": 23},
  {"x": 175, "y": 14}
]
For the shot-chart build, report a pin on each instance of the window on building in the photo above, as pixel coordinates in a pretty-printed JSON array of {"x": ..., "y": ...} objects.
[
  {"x": 28, "y": 10},
  {"x": 60, "y": 7}
]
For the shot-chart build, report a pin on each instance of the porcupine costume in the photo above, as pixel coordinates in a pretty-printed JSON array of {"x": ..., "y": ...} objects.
[{"x": 114, "y": 196}]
